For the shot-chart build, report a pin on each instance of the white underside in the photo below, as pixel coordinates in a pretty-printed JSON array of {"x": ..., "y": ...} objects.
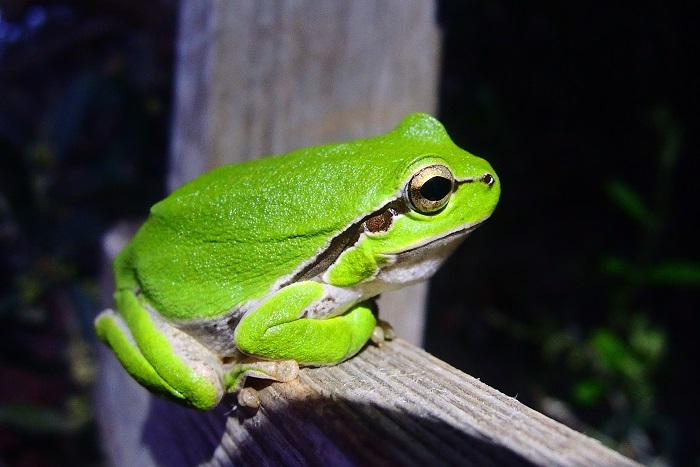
[{"x": 413, "y": 266}]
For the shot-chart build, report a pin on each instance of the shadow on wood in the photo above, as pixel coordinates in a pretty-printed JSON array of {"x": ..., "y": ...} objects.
[
  {"x": 317, "y": 430},
  {"x": 396, "y": 405}
]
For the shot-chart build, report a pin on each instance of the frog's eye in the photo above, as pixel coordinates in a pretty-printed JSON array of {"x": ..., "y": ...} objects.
[{"x": 430, "y": 189}]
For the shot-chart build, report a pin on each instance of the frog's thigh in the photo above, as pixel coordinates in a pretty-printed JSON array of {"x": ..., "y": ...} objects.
[
  {"x": 182, "y": 362},
  {"x": 112, "y": 329},
  {"x": 275, "y": 330}
]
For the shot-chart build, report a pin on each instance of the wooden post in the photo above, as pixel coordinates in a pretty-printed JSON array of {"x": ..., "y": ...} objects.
[{"x": 255, "y": 78}]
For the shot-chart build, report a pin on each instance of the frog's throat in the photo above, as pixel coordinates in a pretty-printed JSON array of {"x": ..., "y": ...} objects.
[
  {"x": 351, "y": 234},
  {"x": 460, "y": 233}
]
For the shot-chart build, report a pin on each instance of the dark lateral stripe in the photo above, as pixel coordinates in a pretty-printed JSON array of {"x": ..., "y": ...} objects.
[
  {"x": 350, "y": 236},
  {"x": 342, "y": 241}
]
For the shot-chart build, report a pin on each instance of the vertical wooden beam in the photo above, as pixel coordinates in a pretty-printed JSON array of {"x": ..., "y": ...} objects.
[{"x": 255, "y": 78}]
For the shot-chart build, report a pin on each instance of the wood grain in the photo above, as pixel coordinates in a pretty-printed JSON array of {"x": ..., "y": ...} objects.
[{"x": 395, "y": 405}]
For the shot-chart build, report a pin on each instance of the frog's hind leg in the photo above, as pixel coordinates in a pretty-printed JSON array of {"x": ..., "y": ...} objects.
[
  {"x": 165, "y": 360},
  {"x": 112, "y": 330}
]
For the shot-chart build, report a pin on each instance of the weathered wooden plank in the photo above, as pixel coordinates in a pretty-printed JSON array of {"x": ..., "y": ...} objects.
[
  {"x": 396, "y": 405},
  {"x": 255, "y": 78}
]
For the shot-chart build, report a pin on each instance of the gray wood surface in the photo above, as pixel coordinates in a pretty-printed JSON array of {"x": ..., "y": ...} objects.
[
  {"x": 255, "y": 78},
  {"x": 391, "y": 406}
]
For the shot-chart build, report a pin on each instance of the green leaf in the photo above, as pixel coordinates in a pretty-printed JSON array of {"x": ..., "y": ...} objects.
[
  {"x": 588, "y": 392},
  {"x": 615, "y": 266},
  {"x": 615, "y": 356},
  {"x": 627, "y": 199},
  {"x": 678, "y": 273},
  {"x": 647, "y": 341}
]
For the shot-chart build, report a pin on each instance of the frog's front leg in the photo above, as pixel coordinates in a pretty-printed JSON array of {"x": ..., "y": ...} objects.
[{"x": 284, "y": 327}]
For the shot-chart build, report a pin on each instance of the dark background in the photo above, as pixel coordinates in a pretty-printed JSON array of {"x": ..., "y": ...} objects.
[
  {"x": 583, "y": 286},
  {"x": 579, "y": 296}
]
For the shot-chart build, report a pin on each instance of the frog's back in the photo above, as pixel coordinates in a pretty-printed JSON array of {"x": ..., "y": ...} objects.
[{"x": 229, "y": 235}]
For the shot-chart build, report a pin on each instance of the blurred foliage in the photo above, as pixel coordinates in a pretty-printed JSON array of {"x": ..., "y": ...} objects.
[
  {"x": 626, "y": 355},
  {"x": 580, "y": 294},
  {"x": 613, "y": 369},
  {"x": 603, "y": 376},
  {"x": 84, "y": 95}
]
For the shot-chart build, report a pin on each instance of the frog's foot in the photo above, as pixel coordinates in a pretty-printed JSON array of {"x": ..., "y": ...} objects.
[
  {"x": 382, "y": 332},
  {"x": 114, "y": 332},
  {"x": 236, "y": 374}
]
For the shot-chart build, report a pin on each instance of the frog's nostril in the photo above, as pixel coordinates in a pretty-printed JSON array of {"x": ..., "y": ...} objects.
[{"x": 488, "y": 179}]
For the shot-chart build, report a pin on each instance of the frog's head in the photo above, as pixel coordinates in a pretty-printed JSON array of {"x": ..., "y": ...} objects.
[{"x": 441, "y": 194}]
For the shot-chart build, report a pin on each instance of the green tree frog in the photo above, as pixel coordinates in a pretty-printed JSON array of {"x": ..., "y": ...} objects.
[{"x": 256, "y": 268}]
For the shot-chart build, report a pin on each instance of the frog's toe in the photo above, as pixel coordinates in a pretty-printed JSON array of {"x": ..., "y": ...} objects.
[
  {"x": 382, "y": 332},
  {"x": 249, "y": 397},
  {"x": 277, "y": 370},
  {"x": 285, "y": 371}
]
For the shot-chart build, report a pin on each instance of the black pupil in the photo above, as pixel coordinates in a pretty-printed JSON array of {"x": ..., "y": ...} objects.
[{"x": 436, "y": 188}]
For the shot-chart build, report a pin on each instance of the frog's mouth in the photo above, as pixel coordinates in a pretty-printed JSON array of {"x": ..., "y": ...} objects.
[
  {"x": 451, "y": 238},
  {"x": 421, "y": 261}
]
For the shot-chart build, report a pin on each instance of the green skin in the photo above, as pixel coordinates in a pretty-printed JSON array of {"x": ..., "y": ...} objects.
[{"x": 254, "y": 268}]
